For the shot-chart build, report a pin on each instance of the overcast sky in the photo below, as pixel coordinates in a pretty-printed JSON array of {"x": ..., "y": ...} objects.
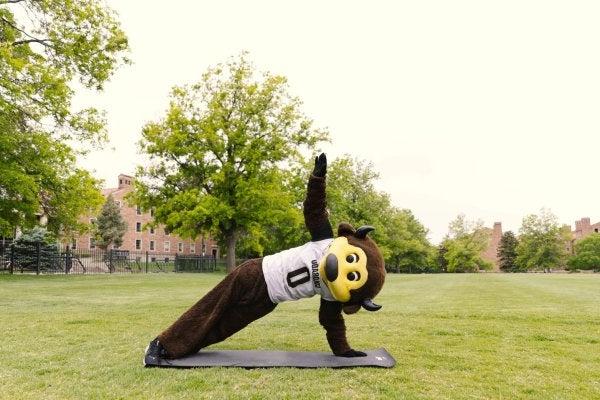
[{"x": 485, "y": 108}]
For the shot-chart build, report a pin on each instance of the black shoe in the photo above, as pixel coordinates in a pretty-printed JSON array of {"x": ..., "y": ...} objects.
[{"x": 155, "y": 353}]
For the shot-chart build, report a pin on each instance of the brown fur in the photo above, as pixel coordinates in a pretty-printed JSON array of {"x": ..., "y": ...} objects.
[
  {"x": 242, "y": 297},
  {"x": 234, "y": 303}
]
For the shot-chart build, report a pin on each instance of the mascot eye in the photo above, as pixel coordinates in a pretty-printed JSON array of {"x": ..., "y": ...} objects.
[
  {"x": 353, "y": 276},
  {"x": 352, "y": 258}
]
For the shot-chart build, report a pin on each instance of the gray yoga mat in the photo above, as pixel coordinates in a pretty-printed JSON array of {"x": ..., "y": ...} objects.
[{"x": 271, "y": 359}]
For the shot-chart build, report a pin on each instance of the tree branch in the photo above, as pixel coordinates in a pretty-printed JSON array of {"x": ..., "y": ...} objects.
[{"x": 40, "y": 41}]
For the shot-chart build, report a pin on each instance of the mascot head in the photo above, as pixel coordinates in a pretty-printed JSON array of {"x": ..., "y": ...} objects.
[{"x": 353, "y": 269}]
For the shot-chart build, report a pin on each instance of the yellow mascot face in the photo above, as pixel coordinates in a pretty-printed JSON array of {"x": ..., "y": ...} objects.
[{"x": 343, "y": 268}]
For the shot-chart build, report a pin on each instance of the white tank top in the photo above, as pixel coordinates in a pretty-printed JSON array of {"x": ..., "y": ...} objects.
[{"x": 294, "y": 273}]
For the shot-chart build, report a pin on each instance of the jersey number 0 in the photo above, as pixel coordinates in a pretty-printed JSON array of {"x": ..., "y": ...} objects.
[{"x": 298, "y": 277}]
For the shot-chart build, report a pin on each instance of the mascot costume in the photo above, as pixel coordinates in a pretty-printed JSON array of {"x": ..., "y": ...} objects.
[{"x": 347, "y": 271}]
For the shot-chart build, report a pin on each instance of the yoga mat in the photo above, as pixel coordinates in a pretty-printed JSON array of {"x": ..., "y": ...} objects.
[{"x": 273, "y": 359}]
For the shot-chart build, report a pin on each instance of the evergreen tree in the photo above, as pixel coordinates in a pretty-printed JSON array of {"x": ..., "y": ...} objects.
[
  {"x": 441, "y": 257},
  {"x": 507, "y": 252},
  {"x": 110, "y": 226}
]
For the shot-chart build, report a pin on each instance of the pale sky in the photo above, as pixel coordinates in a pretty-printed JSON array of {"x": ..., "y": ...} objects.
[{"x": 485, "y": 108}]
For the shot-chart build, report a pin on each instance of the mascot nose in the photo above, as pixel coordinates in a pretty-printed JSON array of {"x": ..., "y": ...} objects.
[{"x": 331, "y": 267}]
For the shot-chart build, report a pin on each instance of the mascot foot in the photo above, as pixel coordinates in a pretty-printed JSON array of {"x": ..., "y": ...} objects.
[{"x": 155, "y": 352}]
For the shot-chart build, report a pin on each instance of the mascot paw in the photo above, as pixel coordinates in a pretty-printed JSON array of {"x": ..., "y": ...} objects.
[
  {"x": 320, "y": 166},
  {"x": 353, "y": 353}
]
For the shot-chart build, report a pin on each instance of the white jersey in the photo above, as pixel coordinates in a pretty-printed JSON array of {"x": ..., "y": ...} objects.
[{"x": 294, "y": 274}]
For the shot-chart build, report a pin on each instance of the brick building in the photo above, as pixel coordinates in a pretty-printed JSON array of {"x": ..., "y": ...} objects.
[
  {"x": 583, "y": 228},
  {"x": 139, "y": 239},
  {"x": 491, "y": 253}
]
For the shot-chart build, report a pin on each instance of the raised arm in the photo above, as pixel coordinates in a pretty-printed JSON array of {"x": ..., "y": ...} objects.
[
  {"x": 315, "y": 205},
  {"x": 330, "y": 317}
]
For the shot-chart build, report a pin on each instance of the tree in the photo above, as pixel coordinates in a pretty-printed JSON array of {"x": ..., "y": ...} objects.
[
  {"x": 465, "y": 243},
  {"x": 351, "y": 197},
  {"x": 40, "y": 176},
  {"x": 542, "y": 242},
  {"x": 587, "y": 254},
  {"x": 110, "y": 226},
  {"x": 216, "y": 158},
  {"x": 405, "y": 240},
  {"x": 44, "y": 46},
  {"x": 441, "y": 261},
  {"x": 34, "y": 247},
  {"x": 507, "y": 252}
]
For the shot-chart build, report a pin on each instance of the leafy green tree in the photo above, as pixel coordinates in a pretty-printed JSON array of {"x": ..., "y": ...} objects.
[
  {"x": 587, "y": 254},
  {"x": 40, "y": 176},
  {"x": 405, "y": 240},
  {"x": 507, "y": 252},
  {"x": 110, "y": 226},
  {"x": 465, "y": 243},
  {"x": 441, "y": 262},
  {"x": 44, "y": 46},
  {"x": 217, "y": 157},
  {"x": 542, "y": 242},
  {"x": 33, "y": 246}
]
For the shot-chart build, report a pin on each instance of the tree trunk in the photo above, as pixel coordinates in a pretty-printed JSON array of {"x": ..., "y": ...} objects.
[{"x": 231, "y": 242}]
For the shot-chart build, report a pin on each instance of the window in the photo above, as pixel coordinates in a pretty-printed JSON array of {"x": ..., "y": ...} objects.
[
  {"x": 153, "y": 259},
  {"x": 167, "y": 247},
  {"x": 152, "y": 245},
  {"x": 138, "y": 210},
  {"x": 180, "y": 247},
  {"x": 74, "y": 244},
  {"x": 192, "y": 247},
  {"x": 596, "y": 230},
  {"x": 138, "y": 226},
  {"x": 214, "y": 253},
  {"x": 203, "y": 248},
  {"x": 167, "y": 233},
  {"x": 152, "y": 231},
  {"x": 138, "y": 244},
  {"x": 92, "y": 243},
  {"x": 120, "y": 181}
]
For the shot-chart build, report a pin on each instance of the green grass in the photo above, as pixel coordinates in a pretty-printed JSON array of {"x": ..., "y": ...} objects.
[{"x": 465, "y": 336}]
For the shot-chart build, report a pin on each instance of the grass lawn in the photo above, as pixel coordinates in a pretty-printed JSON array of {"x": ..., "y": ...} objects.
[{"x": 469, "y": 336}]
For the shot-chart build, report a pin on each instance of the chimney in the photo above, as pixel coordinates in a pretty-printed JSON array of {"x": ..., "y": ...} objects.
[
  {"x": 125, "y": 181},
  {"x": 585, "y": 222}
]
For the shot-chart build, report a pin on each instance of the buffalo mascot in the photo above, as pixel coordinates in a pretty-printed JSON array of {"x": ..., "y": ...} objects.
[{"x": 347, "y": 271}]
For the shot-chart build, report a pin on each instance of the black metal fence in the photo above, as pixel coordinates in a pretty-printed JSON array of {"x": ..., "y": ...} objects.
[{"x": 40, "y": 259}]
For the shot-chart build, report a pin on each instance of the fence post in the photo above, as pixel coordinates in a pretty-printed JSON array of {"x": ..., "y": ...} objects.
[
  {"x": 110, "y": 263},
  {"x": 12, "y": 258},
  {"x": 176, "y": 262},
  {"x": 67, "y": 260},
  {"x": 38, "y": 257},
  {"x": 146, "y": 261}
]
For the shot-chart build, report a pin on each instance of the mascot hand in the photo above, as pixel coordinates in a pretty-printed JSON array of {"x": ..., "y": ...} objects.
[
  {"x": 353, "y": 353},
  {"x": 320, "y": 166}
]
